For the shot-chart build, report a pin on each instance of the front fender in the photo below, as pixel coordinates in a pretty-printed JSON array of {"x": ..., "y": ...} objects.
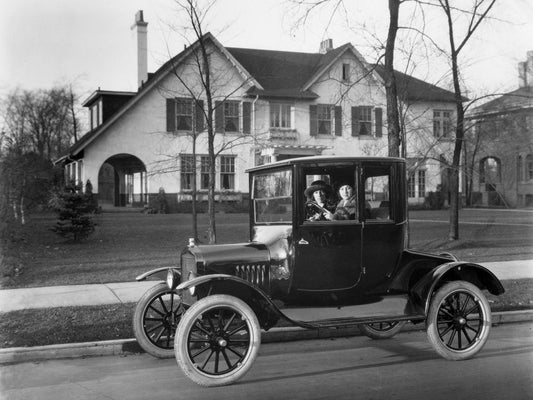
[
  {"x": 205, "y": 285},
  {"x": 156, "y": 271},
  {"x": 454, "y": 271}
]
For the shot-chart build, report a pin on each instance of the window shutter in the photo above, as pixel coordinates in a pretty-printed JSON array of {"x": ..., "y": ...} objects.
[
  {"x": 246, "y": 117},
  {"x": 355, "y": 121},
  {"x": 219, "y": 116},
  {"x": 313, "y": 120},
  {"x": 171, "y": 115},
  {"x": 379, "y": 121},
  {"x": 338, "y": 121},
  {"x": 199, "y": 115}
]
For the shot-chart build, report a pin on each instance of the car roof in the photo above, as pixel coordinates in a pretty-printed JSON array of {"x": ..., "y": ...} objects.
[{"x": 315, "y": 159}]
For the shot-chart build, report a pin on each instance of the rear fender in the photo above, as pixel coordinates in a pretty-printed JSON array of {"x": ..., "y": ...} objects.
[
  {"x": 266, "y": 311},
  {"x": 156, "y": 271},
  {"x": 455, "y": 271}
]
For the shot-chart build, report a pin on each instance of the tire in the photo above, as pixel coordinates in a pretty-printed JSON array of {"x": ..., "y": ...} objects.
[
  {"x": 382, "y": 330},
  {"x": 459, "y": 321},
  {"x": 217, "y": 340},
  {"x": 156, "y": 316}
]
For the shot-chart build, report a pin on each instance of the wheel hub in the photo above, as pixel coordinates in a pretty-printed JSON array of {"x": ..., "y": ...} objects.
[{"x": 460, "y": 321}]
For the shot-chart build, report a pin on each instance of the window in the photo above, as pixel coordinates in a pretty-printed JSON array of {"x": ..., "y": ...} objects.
[
  {"x": 96, "y": 114},
  {"x": 529, "y": 167},
  {"x": 184, "y": 114},
  {"x": 204, "y": 172},
  {"x": 187, "y": 164},
  {"x": 324, "y": 118},
  {"x": 377, "y": 194},
  {"x": 411, "y": 189},
  {"x": 272, "y": 197},
  {"x": 365, "y": 121},
  {"x": 227, "y": 172},
  {"x": 231, "y": 116},
  {"x": 442, "y": 124},
  {"x": 346, "y": 72},
  {"x": 520, "y": 169},
  {"x": 421, "y": 183},
  {"x": 489, "y": 170},
  {"x": 280, "y": 115}
]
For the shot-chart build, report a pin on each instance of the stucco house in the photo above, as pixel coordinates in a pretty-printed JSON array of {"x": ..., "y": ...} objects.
[
  {"x": 500, "y": 146},
  {"x": 268, "y": 105}
]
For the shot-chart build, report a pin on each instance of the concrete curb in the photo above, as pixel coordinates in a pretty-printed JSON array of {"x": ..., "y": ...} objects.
[{"x": 130, "y": 346}]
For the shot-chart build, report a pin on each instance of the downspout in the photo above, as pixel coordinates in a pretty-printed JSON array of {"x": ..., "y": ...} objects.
[{"x": 253, "y": 129}]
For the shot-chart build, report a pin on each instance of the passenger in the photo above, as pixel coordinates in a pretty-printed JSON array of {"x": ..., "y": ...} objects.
[
  {"x": 318, "y": 207},
  {"x": 347, "y": 206}
]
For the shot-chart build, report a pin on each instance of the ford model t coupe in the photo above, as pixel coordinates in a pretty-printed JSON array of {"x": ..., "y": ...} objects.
[{"x": 314, "y": 260}]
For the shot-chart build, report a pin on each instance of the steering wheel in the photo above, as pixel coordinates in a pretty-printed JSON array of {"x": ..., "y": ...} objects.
[{"x": 315, "y": 207}]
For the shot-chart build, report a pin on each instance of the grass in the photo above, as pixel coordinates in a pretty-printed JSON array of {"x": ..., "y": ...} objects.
[
  {"x": 125, "y": 245},
  {"x": 87, "y": 324}
]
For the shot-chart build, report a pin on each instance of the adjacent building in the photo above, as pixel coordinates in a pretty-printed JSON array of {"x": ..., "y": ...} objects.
[
  {"x": 268, "y": 105},
  {"x": 499, "y": 149}
]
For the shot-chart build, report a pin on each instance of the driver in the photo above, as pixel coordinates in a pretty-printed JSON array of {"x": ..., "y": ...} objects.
[{"x": 318, "y": 207}]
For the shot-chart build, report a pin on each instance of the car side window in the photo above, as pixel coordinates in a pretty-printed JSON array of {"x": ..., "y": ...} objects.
[{"x": 377, "y": 193}]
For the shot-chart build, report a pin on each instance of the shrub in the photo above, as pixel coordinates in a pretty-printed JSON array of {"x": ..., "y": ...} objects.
[{"x": 74, "y": 211}]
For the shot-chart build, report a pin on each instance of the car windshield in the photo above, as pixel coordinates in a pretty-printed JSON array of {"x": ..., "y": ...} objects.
[{"x": 272, "y": 197}]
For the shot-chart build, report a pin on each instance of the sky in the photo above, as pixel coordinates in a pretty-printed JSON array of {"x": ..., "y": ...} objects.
[{"x": 90, "y": 44}]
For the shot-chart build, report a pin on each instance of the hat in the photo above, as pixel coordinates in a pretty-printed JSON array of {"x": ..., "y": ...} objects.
[{"x": 317, "y": 185}]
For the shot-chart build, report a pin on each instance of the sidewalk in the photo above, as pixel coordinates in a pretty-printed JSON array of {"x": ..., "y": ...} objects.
[{"x": 130, "y": 292}]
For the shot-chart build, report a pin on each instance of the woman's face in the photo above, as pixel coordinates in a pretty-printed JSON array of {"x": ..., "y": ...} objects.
[
  {"x": 319, "y": 196},
  {"x": 345, "y": 191}
]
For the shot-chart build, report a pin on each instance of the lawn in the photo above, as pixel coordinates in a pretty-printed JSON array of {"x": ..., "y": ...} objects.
[{"x": 126, "y": 244}]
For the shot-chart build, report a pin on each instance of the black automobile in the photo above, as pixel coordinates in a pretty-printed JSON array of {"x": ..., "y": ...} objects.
[{"x": 309, "y": 263}]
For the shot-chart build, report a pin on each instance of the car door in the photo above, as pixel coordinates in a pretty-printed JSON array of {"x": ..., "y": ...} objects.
[
  {"x": 384, "y": 221},
  {"x": 327, "y": 253}
]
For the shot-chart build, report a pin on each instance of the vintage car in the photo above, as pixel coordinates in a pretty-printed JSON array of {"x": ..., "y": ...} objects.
[{"x": 352, "y": 269}]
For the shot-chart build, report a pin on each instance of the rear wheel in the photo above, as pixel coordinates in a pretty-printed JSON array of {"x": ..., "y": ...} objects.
[
  {"x": 155, "y": 319},
  {"x": 382, "y": 330},
  {"x": 459, "y": 320},
  {"x": 217, "y": 340}
]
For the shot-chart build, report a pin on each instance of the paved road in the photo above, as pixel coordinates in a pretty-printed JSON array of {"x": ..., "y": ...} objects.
[{"x": 353, "y": 368}]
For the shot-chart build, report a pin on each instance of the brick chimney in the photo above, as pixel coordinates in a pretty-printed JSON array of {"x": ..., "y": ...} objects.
[
  {"x": 325, "y": 46},
  {"x": 529, "y": 69},
  {"x": 142, "y": 48}
]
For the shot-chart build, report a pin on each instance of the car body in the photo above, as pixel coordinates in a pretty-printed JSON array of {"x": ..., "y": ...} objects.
[{"x": 323, "y": 273}]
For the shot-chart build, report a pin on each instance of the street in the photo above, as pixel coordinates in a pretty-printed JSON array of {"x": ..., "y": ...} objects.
[{"x": 405, "y": 367}]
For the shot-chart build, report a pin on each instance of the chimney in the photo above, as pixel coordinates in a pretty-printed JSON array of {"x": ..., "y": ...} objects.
[
  {"x": 325, "y": 46},
  {"x": 142, "y": 48},
  {"x": 522, "y": 74},
  {"x": 529, "y": 69}
]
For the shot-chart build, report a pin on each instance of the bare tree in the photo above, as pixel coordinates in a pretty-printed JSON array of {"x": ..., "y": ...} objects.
[{"x": 478, "y": 11}]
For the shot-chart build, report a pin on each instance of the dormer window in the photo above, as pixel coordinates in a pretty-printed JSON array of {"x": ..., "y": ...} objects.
[
  {"x": 346, "y": 72},
  {"x": 96, "y": 114}
]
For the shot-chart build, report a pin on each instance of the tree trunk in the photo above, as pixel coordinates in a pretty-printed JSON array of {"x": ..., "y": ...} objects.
[{"x": 393, "y": 118}]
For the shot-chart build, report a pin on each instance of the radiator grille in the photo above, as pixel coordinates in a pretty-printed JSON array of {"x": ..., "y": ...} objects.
[{"x": 255, "y": 274}]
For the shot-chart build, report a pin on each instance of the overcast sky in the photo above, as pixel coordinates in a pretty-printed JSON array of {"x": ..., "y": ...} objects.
[{"x": 90, "y": 43}]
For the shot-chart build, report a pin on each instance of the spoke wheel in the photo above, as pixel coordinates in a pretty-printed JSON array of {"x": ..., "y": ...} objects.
[
  {"x": 459, "y": 320},
  {"x": 217, "y": 340},
  {"x": 155, "y": 319},
  {"x": 382, "y": 330}
]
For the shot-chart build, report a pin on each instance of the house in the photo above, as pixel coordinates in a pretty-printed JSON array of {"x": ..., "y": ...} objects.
[
  {"x": 500, "y": 146},
  {"x": 269, "y": 105}
]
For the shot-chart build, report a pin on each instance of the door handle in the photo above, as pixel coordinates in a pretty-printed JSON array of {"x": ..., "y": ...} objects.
[{"x": 303, "y": 241}]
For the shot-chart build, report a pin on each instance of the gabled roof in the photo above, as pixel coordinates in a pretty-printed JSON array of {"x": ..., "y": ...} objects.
[
  {"x": 275, "y": 74},
  {"x": 519, "y": 99},
  {"x": 414, "y": 89}
]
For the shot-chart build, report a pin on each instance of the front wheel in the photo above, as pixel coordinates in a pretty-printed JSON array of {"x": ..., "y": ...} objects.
[
  {"x": 459, "y": 321},
  {"x": 382, "y": 330},
  {"x": 217, "y": 340},
  {"x": 156, "y": 316}
]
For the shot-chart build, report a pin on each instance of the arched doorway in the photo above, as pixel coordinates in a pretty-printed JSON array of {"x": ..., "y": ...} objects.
[{"x": 122, "y": 182}]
